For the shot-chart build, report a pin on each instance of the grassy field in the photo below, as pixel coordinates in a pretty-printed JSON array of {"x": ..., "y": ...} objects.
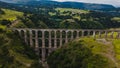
[
  {"x": 110, "y": 50},
  {"x": 95, "y": 46},
  {"x": 116, "y": 19},
  {"x": 10, "y": 14},
  {"x": 72, "y": 10},
  {"x": 116, "y": 44}
]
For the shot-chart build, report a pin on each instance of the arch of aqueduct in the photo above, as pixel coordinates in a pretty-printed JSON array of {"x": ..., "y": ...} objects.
[{"x": 44, "y": 41}]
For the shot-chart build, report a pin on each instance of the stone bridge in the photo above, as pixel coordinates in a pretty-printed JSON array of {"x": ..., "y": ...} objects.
[{"x": 45, "y": 41}]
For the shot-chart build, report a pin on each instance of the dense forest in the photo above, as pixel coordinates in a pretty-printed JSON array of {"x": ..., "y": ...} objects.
[
  {"x": 69, "y": 19},
  {"x": 59, "y": 18},
  {"x": 38, "y": 16}
]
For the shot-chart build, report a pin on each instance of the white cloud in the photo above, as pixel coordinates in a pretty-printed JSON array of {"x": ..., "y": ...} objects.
[{"x": 112, "y": 2}]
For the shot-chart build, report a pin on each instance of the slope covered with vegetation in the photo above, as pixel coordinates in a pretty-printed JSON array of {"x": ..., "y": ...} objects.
[
  {"x": 116, "y": 44},
  {"x": 68, "y": 18},
  {"x": 85, "y": 53},
  {"x": 14, "y": 53},
  {"x": 9, "y": 17},
  {"x": 52, "y": 17},
  {"x": 10, "y": 14}
]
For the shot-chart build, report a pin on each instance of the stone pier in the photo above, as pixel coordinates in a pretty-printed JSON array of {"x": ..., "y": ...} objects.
[{"x": 52, "y": 39}]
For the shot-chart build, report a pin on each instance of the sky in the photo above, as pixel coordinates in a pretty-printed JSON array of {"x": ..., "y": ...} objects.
[
  {"x": 112, "y": 2},
  {"x": 115, "y": 3}
]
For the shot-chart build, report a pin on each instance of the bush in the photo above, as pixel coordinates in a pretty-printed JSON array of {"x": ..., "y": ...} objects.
[
  {"x": 2, "y": 28},
  {"x": 1, "y": 12},
  {"x": 69, "y": 24},
  {"x": 14, "y": 53},
  {"x": 77, "y": 55},
  {"x": 5, "y": 22}
]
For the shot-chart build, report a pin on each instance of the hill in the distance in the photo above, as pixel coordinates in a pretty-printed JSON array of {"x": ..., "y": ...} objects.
[{"x": 80, "y": 5}]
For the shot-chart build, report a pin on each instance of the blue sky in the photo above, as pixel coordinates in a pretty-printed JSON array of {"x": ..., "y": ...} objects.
[{"x": 112, "y": 2}]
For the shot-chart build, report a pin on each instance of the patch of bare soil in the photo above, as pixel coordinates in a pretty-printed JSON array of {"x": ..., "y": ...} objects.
[{"x": 110, "y": 53}]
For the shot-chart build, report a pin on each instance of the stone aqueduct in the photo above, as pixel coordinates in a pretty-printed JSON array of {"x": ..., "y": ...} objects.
[{"x": 44, "y": 41}]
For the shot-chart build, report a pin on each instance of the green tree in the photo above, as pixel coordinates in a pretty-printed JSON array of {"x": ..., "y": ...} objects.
[
  {"x": 14, "y": 53},
  {"x": 5, "y": 22},
  {"x": 69, "y": 24},
  {"x": 77, "y": 55},
  {"x": 41, "y": 25},
  {"x": 1, "y": 12}
]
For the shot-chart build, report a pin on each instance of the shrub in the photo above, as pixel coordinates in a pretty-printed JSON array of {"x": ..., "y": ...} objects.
[
  {"x": 77, "y": 55},
  {"x": 2, "y": 28},
  {"x": 14, "y": 53}
]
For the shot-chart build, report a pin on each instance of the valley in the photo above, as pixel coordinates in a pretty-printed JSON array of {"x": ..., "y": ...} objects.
[{"x": 82, "y": 52}]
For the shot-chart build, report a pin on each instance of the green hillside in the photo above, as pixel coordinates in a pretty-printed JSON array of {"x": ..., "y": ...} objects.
[
  {"x": 79, "y": 53},
  {"x": 69, "y": 12},
  {"x": 10, "y": 14},
  {"x": 85, "y": 53},
  {"x": 72, "y": 10},
  {"x": 68, "y": 18},
  {"x": 116, "y": 44},
  {"x": 14, "y": 53}
]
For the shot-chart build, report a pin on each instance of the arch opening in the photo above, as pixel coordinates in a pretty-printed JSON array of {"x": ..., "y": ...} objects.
[
  {"x": 40, "y": 53},
  {"x": 46, "y": 43},
  {"x": 63, "y": 41},
  {"x": 40, "y": 42},
  {"x": 22, "y": 33},
  {"x": 80, "y": 33},
  {"x": 46, "y": 53},
  {"x": 58, "y": 42},
  {"x": 85, "y": 33},
  {"x": 52, "y": 34},
  {"x": 63, "y": 34},
  {"x": 33, "y": 33},
  {"x": 52, "y": 42},
  {"x": 46, "y": 34},
  {"x": 33, "y": 43},
  {"x": 40, "y": 34},
  {"x": 58, "y": 34},
  {"x": 74, "y": 34},
  {"x": 69, "y": 34}
]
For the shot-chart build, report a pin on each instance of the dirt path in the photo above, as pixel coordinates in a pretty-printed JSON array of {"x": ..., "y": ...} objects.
[
  {"x": 110, "y": 50},
  {"x": 14, "y": 23}
]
